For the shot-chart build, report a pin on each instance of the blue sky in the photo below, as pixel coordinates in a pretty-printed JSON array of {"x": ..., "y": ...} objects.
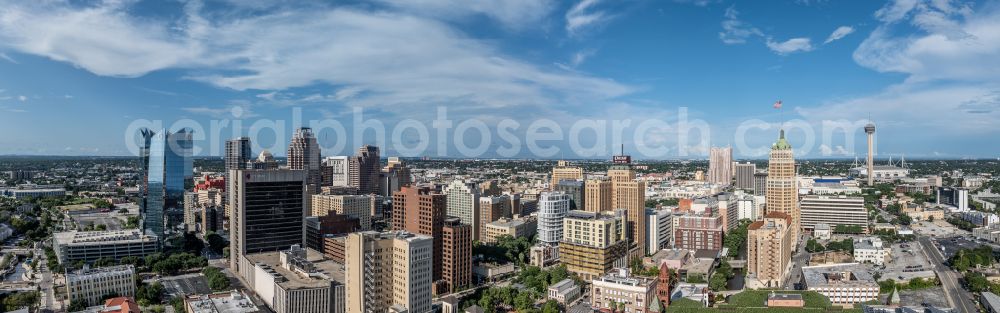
[{"x": 76, "y": 76}]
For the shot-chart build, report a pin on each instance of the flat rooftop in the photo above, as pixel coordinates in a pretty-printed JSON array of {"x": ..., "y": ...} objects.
[
  {"x": 226, "y": 302},
  {"x": 295, "y": 280},
  {"x": 100, "y": 237},
  {"x": 838, "y": 275},
  {"x": 506, "y": 222}
]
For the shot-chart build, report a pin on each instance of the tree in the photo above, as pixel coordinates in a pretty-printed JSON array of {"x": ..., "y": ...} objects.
[
  {"x": 813, "y": 246},
  {"x": 77, "y": 305},
  {"x": 216, "y": 279},
  {"x": 930, "y": 218},
  {"x": 524, "y": 300},
  {"x": 551, "y": 306},
  {"x": 149, "y": 294},
  {"x": 976, "y": 282},
  {"x": 737, "y": 238},
  {"x": 21, "y": 299},
  {"x": 103, "y": 262},
  {"x": 717, "y": 282}
]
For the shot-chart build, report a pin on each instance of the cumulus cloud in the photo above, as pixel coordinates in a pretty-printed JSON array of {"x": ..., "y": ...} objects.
[
  {"x": 839, "y": 33},
  {"x": 790, "y": 46},
  {"x": 948, "y": 53},
  {"x": 951, "y": 42},
  {"x": 282, "y": 48}
]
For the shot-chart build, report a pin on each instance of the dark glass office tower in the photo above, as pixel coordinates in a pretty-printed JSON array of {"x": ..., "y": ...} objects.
[
  {"x": 170, "y": 174},
  {"x": 268, "y": 211}
]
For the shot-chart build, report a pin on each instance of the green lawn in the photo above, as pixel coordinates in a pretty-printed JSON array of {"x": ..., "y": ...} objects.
[{"x": 757, "y": 298}]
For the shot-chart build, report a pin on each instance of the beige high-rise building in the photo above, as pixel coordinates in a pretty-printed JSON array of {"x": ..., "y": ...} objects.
[
  {"x": 720, "y": 165},
  {"x": 769, "y": 250},
  {"x": 782, "y": 194},
  {"x": 593, "y": 243},
  {"x": 463, "y": 203},
  {"x": 388, "y": 271},
  {"x": 597, "y": 195},
  {"x": 356, "y": 206},
  {"x": 630, "y": 194},
  {"x": 563, "y": 170}
]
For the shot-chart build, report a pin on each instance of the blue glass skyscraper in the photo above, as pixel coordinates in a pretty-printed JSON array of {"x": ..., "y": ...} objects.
[{"x": 170, "y": 174}]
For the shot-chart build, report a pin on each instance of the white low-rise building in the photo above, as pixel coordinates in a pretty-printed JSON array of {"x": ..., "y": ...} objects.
[
  {"x": 92, "y": 285},
  {"x": 981, "y": 218},
  {"x": 844, "y": 284},
  {"x": 870, "y": 250}
]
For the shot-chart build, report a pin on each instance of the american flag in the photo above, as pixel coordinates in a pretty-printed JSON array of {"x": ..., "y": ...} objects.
[{"x": 777, "y": 105}]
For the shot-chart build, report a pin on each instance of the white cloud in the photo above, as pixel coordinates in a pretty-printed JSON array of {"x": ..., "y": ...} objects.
[
  {"x": 826, "y": 150},
  {"x": 235, "y": 109},
  {"x": 790, "y": 46},
  {"x": 948, "y": 54},
  {"x": 22, "y": 98},
  {"x": 735, "y": 31},
  {"x": 512, "y": 14},
  {"x": 102, "y": 39},
  {"x": 7, "y": 58},
  {"x": 583, "y": 15},
  {"x": 580, "y": 56},
  {"x": 700, "y": 3},
  {"x": 952, "y": 43},
  {"x": 919, "y": 106},
  {"x": 429, "y": 62},
  {"x": 839, "y": 33}
]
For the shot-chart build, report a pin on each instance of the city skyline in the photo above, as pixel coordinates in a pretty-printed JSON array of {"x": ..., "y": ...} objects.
[{"x": 911, "y": 67}]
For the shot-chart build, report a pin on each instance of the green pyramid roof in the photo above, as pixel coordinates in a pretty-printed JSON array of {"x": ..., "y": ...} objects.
[{"x": 781, "y": 144}]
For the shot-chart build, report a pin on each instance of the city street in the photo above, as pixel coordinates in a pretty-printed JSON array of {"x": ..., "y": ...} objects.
[
  {"x": 581, "y": 305},
  {"x": 799, "y": 260},
  {"x": 48, "y": 293},
  {"x": 958, "y": 298}
]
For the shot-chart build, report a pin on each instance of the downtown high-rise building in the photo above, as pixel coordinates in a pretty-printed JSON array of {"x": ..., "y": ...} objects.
[
  {"x": 456, "y": 251},
  {"x": 463, "y": 203},
  {"x": 597, "y": 195},
  {"x": 336, "y": 171},
  {"x": 493, "y": 208},
  {"x": 782, "y": 191},
  {"x": 769, "y": 250},
  {"x": 388, "y": 272},
  {"x": 575, "y": 189},
  {"x": 563, "y": 170},
  {"x": 720, "y": 162},
  {"x": 744, "y": 175},
  {"x": 365, "y": 168},
  {"x": 760, "y": 184},
  {"x": 170, "y": 174},
  {"x": 394, "y": 176},
  {"x": 268, "y": 213},
  {"x": 421, "y": 210},
  {"x": 593, "y": 243},
  {"x": 304, "y": 154},
  {"x": 552, "y": 208},
  {"x": 237, "y": 153},
  {"x": 354, "y": 206},
  {"x": 630, "y": 194}
]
